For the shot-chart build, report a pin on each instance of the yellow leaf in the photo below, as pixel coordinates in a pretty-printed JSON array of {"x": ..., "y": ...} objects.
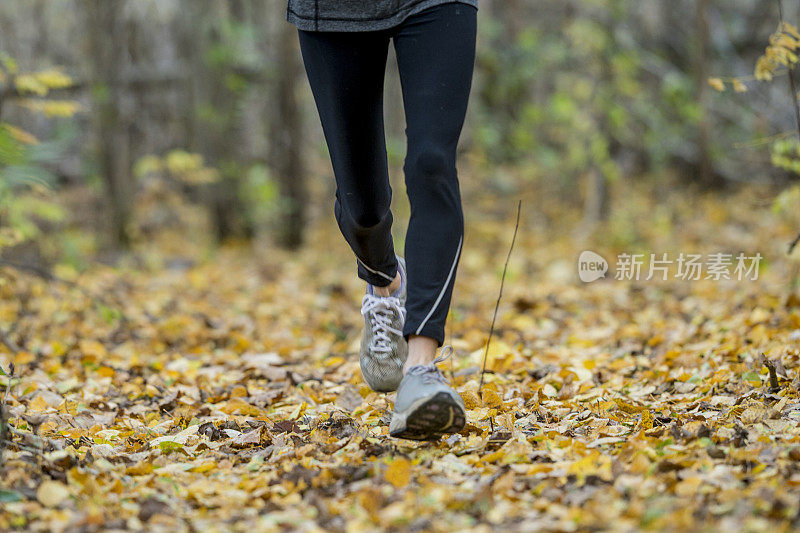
[
  {"x": 179, "y": 161},
  {"x": 491, "y": 398},
  {"x": 497, "y": 357},
  {"x": 29, "y": 83},
  {"x": 688, "y": 487},
  {"x": 334, "y": 361},
  {"x": 38, "y": 404},
  {"x": 647, "y": 420},
  {"x": 791, "y": 29},
  {"x": 52, "y": 493},
  {"x": 471, "y": 399},
  {"x": 53, "y": 79},
  {"x": 148, "y": 164},
  {"x": 205, "y": 467},
  {"x": 23, "y": 358},
  {"x": 106, "y": 372},
  {"x": 52, "y": 108},
  {"x": 21, "y": 135},
  {"x": 626, "y": 407},
  {"x": 716, "y": 84},
  {"x": 755, "y": 413},
  {"x": 139, "y": 469},
  {"x": 240, "y": 407},
  {"x": 399, "y": 472},
  {"x": 239, "y": 391},
  {"x": 764, "y": 69},
  {"x": 494, "y": 456},
  {"x": 370, "y": 499},
  {"x": 592, "y": 464},
  {"x": 92, "y": 350},
  {"x": 299, "y": 410}
]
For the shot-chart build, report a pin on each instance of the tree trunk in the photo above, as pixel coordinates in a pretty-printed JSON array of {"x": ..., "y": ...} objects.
[
  {"x": 286, "y": 140},
  {"x": 706, "y": 175},
  {"x": 107, "y": 44},
  {"x": 214, "y": 107}
]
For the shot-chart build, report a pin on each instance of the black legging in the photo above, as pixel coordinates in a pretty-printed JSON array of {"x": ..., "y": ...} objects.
[{"x": 435, "y": 55}]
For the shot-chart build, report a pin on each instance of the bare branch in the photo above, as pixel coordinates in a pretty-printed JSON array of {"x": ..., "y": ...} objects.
[{"x": 497, "y": 305}]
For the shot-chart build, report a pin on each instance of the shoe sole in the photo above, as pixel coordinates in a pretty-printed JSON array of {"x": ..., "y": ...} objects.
[{"x": 429, "y": 419}]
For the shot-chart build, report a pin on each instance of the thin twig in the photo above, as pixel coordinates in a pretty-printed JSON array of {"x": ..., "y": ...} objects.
[
  {"x": 792, "y": 84},
  {"x": 10, "y": 375},
  {"x": 796, "y": 105},
  {"x": 793, "y": 87},
  {"x": 4, "y": 89},
  {"x": 3, "y": 419},
  {"x": 794, "y": 243},
  {"x": 497, "y": 305}
]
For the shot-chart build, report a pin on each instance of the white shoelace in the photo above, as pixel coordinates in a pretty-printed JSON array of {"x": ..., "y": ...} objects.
[
  {"x": 430, "y": 373},
  {"x": 380, "y": 311}
]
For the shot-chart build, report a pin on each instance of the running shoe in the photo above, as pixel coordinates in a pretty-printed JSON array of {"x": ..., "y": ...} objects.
[
  {"x": 383, "y": 348},
  {"x": 426, "y": 407}
]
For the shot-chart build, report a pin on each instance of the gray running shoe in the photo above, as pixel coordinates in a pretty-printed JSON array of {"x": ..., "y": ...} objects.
[
  {"x": 426, "y": 407},
  {"x": 383, "y": 348}
]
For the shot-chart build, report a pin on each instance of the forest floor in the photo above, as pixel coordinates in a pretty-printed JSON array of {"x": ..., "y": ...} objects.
[{"x": 221, "y": 391}]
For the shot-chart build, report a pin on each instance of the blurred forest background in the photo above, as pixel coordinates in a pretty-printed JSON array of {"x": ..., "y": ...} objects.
[
  {"x": 152, "y": 379},
  {"x": 126, "y": 120}
]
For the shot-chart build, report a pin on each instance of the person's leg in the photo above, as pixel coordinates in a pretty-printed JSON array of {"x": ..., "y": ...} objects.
[
  {"x": 346, "y": 74},
  {"x": 436, "y": 56}
]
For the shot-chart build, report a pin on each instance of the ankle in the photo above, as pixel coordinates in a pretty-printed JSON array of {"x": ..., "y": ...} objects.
[
  {"x": 389, "y": 289},
  {"x": 421, "y": 351}
]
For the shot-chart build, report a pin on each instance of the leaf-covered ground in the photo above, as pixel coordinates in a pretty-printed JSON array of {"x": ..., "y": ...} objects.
[{"x": 223, "y": 393}]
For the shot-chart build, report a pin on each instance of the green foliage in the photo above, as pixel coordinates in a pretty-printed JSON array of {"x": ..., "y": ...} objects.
[
  {"x": 260, "y": 194},
  {"x": 25, "y": 181},
  {"x": 786, "y": 155},
  {"x": 787, "y": 201},
  {"x": 781, "y": 52},
  {"x": 24, "y": 185},
  {"x": 185, "y": 167},
  {"x": 229, "y": 55},
  {"x": 569, "y": 99}
]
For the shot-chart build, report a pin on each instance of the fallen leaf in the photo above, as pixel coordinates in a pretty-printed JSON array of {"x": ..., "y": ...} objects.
[
  {"x": 52, "y": 493},
  {"x": 399, "y": 472}
]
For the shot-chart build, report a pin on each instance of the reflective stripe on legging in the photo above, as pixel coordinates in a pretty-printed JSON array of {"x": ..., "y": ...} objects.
[
  {"x": 444, "y": 288},
  {"x": 376, "y": 272}
]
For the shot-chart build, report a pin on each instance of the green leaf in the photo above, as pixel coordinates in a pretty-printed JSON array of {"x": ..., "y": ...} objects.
[
  {"x": 19, "y": 175},
  {"x": 751, "y": 376},
  {"x": 109, "y": 314},
  {"x": 10, "y": 496},
  {"x": 12, "y": 152},
  {"x": 8, "y": 62},
  {"x": 169, "y": 446}
]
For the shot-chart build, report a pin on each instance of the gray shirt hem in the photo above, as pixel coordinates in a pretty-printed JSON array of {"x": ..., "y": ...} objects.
[{"x": 312, "y": 23}]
